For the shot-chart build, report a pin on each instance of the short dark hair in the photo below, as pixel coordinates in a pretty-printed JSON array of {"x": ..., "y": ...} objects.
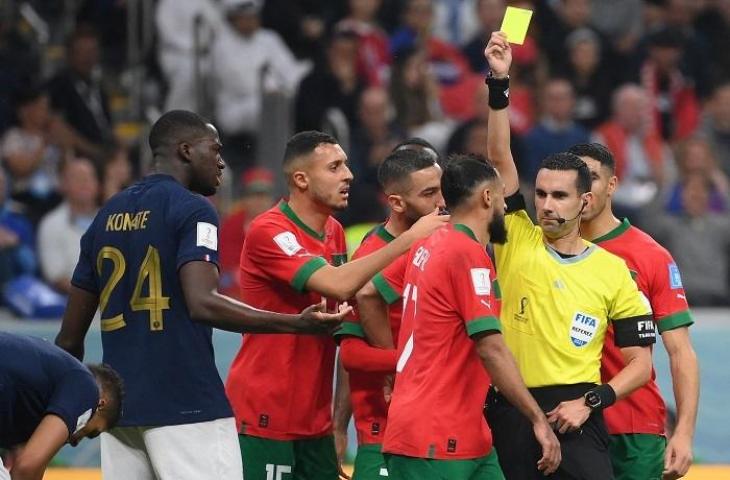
[
  {"x": 463, "y": 173},
  {"x": 82, "y": 31},
  {"x": 304, "y": 143},
  {"x": 27, "y": 95},
  {"x": 597, "y": 152},
  {"x": 175, "y": 126},
  {"x": 400, "y": 164},
  {"x": 418, "y": 143},
  {"x": 113, "y": 387},
  {"x": 570, "y": 161}
]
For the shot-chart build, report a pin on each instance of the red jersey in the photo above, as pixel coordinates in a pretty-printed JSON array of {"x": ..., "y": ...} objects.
[
  {"x": 658, "y": 278},
  {"x": 366, "y": 388},
  {"x": 437, "y": 406},
  {"x": 280, "y": 386}
]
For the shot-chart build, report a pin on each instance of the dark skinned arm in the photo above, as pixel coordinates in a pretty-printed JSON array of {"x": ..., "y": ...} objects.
[{"x": 77, "y": 317}]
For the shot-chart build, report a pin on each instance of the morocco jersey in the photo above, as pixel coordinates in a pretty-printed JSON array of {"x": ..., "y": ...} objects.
[
  {"x": 555, "y": 310},
  {"x": 280, "y": 385},
  {"x": 437, "y": 406},
  {"x": 658, "y": 278},
  {"x": 366, "y": 388}
]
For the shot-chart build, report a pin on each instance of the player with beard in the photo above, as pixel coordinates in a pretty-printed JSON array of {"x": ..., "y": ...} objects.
[
  {"x": 636, "y": 423},
  {"x": 411, "y": 180},
  {"x": 435, "y": 424},
  {"x": 559, "y": 294},
  {"x": 281, "y": 386}
]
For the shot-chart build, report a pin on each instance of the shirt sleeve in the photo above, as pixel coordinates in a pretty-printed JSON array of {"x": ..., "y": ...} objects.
[
  {"x": 84, "y": 275},
  {"x": 197, "y": 232},
  {"x": 279, "y": 252},
  {"x": 74, "y": 399},
  {"x": 630, "y": 312},
  {"x": 667, "y": 296},
  {"x": 521, "y": 234},
  {"x": 471, "y": 283},
  {"x": 389, "y": 282}
]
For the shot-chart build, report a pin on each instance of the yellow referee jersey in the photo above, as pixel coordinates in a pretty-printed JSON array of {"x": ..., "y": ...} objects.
[{"x": 555, "y": 311}]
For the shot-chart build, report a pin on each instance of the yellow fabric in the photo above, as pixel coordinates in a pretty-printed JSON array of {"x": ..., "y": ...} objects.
[{"x": 555, "y": 311}]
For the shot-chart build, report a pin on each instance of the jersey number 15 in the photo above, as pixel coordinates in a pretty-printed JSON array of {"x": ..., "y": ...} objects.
[{"x": 149, "y": 272}]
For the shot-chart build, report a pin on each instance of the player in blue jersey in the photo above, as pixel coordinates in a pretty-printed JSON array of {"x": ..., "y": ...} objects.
[
  {"x": 48, "y": 399},
  {"x": 149, "y": 262}
]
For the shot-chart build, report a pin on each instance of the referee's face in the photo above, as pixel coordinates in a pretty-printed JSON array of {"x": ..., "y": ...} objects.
[{"x": 557, "y": 202}]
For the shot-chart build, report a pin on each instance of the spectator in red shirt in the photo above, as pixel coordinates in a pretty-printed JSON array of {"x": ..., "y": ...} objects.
[{"x": 373, "y": 54}]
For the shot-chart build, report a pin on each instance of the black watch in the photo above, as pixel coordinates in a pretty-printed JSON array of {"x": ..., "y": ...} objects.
[{"x": 592, "y": 400}]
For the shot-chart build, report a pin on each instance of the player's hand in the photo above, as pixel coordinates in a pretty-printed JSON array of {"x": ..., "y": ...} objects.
[
  {"x": 426, "y": 225},
  {"x": 677, "y": 457},
  {"x": 551, "y": 455},
  {"x": 388, "y": 388},
  {"x": 498, "y": 54},
  {"x": 569, "y": 416},
  {"x": 341, "y": 450},
  {"x": 315, "y": 319}
]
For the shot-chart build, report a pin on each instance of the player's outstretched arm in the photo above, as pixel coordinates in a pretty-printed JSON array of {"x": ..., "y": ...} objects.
[
  {"x": 506, "y": 377},
  {"x": 358, "y": 356},
  {"x": 342, "y": 283},
  {"x": 499, "y": 55},
  {"x": 200, "y": 285},
  {"x": 76, "y": 320},
  {"x": 47, "y": 439},
  {"x": 373, "y": 313}
]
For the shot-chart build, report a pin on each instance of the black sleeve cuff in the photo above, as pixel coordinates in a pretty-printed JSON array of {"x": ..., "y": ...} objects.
[
  {"x": 634, "y": 332},
  {"x": 515, "y": 202}
]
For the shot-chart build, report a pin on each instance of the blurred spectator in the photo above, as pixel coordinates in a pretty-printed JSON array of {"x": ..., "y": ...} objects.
[
  {"x": 302, "y": 24},
  {"x": 17, "y": 245},
  {"x": 620, "y": 21},
  {"x": 20, "y": 62},
  {"x": 415, "y": 95},
  {"x": 258, "y": 188},
  {"x": 449, "y": 66},
  {"x": 490, "y": 14},
  {"x": 78, "y": 95},
  {"x": 454, "y": 20},
  {"x": 327, "y": 97},
  {"x": 59, "y": 234},
  {"x": 556, "y": 131},
  {"x": 373, "y": 55},
  {"x": 247, "y": 61},
  {"x": 176, "y": 24},
  {"x": 714, "y": 24},
  {"x": 672, "y": 96},
  {"x": 699, "y": 241},
  {"x": 117, "y": 173},
  {"x": 716, "y": 126},
  {"x": 643, "y": 160},
  {"x": 694, "y": 157},
  {"x": 32, "y": 152},
  {"x": 375, "y": 137},
  {"x": 591, "y": 79}
]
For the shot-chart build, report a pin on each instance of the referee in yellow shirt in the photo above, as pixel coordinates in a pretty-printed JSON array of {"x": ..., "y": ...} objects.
[{"x": 559, "y": 292}]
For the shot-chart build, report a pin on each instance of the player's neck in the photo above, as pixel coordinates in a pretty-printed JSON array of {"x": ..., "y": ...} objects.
[
  {"x": 600, "y": 225},
  {"x": 310, "y": 212},
  {"x": 476, "y": 225},
  {"x": 396, "y": 224}
]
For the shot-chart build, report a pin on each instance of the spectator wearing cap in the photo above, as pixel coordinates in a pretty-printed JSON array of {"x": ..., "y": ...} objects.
[
  {"x": 247, "y": 61},
  {"x": 675, "y": 110},
  {"x": 258, "y": 187}
]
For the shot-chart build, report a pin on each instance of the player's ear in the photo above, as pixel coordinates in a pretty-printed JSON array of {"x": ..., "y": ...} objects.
[
  {"x": 396, "y": 203},
  {"x": 300, "y": 179},
  {"x": 586, "y": 200},
  {"x": 487, "y": 198},
  {"x": 184, "y": 150},
  {"x": 612, "y": 185}
]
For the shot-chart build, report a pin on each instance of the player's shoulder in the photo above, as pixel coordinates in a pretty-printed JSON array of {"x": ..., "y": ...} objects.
[
  {"x": 645, "y": 244},
  {"x": 272, "y": 219},
  {"x": 374, "y": 240}
]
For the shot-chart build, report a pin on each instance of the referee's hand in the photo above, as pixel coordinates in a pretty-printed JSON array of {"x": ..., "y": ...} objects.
[
  {"x": 569, "y": 416},
  {"x": 551, "y": 455}
]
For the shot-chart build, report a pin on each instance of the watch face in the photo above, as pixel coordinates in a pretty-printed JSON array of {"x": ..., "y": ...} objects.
[{"x": 593, "y": 400}]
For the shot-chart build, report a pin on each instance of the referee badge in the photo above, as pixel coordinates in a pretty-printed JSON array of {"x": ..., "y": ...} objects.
[{"x": 583, "y": 329}]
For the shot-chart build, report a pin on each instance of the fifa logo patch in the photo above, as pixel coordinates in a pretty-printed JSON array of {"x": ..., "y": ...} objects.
[
  {"x": 675, "y": 280},
  {"x": 583, "y": 329}
]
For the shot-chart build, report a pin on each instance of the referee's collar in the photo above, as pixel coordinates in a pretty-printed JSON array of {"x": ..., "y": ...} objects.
[{"x": 582, "y": 255}]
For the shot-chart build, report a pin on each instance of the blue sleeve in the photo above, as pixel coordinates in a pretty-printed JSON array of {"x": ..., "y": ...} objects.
[
  {"x": 197, "y": 231},
  {"x": 84, "y": 275},
  {"x": 74, "y": 399}
]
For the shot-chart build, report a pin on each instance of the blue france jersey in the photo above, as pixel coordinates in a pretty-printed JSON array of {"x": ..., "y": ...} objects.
[
  {"x": 130, "y": 257},
  {"x": 37, "y": 379}
]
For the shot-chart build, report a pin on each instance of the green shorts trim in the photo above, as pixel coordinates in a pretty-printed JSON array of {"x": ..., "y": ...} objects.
[
  {"x": 309, "y": 459},
  {"x": 637, "y": 456},
  {"x": 411, "y": 468},
  {"x": 370, "y": 463}
]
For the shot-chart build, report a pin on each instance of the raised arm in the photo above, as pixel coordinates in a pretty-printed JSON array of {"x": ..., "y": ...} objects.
[{"x": 499, "y": 55}]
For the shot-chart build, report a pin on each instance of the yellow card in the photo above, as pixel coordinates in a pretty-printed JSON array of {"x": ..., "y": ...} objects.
[{"x": 515, "y": 23}]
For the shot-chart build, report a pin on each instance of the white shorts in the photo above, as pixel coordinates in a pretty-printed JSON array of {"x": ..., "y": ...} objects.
[{"x": 194, "y": 451}]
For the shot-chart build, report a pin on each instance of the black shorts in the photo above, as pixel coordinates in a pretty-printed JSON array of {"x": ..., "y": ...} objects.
[{"x": 585, "y": 451}]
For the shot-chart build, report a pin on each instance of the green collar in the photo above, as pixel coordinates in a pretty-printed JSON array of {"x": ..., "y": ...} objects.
[
  {"x": 623, "y": 226},
  {"x": 286, "y": 210},
  {"x": 464, "y": 229},
  {"x": 384, "y": 234}
]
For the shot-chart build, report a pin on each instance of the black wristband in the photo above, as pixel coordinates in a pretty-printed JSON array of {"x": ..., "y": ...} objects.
[
  {"x": 498, "y": 92},
  {"x": 606, "y": 393}
]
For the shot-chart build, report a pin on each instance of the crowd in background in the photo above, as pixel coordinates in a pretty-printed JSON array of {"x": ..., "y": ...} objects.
[{"x": 650, "y": 79}]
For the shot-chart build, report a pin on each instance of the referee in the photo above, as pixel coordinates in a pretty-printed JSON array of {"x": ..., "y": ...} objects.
[{"x": 559, "y": 294}]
